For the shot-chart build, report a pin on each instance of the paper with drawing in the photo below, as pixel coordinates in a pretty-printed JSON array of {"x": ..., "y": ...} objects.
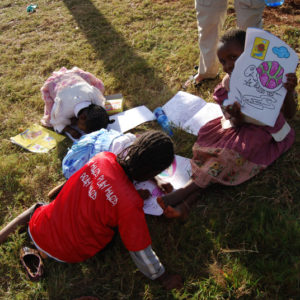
[
  {"x": 178, "y": 174},
  {"x": 258, "y": 76}
]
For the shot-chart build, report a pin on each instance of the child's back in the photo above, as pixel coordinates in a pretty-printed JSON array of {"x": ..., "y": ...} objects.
[{"x": 66, "y": 93}]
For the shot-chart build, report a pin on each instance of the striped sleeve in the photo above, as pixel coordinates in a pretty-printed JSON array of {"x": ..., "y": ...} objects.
[{"x": 148, "y": 263}]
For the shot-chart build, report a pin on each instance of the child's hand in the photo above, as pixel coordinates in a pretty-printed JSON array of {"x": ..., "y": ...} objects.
[
  {"x": 145, "y": 194},
  {"x": 164, "y": 186},
  {"x": 289, "y": 106},
  {"x": 235, "y": 115},
  {"x": 73, "y": 132},
  {"x": 291, "y": 82},
  {"x": 170, "y": 281},
  {"x": 74, "y": 121}
]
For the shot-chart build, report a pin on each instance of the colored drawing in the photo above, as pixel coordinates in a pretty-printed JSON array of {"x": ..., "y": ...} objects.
[
  {"x": 169, "y": 172},
  {"x": 281, "y": 52},
  {"x": 267, "y": 76},
  {"x": 30, "y": 134},
  {"x": 156, "y": 192},
  {"x": 260, "y": 48}
]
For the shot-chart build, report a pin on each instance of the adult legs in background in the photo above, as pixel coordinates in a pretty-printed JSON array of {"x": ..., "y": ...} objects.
[
  {"x": 249, "y": 13},
  {"x": 210, "y": 18}
]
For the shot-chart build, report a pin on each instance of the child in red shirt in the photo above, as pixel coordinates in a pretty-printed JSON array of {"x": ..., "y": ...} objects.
[{"x": 98, "y": 198}]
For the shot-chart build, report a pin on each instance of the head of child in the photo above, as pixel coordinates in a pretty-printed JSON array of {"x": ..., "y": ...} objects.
[
  {"x": 231, "y": 46},
  {"x": 92, "y": 118},
  {"x": 149, "y": 155}
]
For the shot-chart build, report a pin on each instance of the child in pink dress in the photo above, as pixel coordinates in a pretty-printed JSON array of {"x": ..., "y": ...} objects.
[
  {"x": 232, "y": 154},
  {"x": 74, "y": 97}
]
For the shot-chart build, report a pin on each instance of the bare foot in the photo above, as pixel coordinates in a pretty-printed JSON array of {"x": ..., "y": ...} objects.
[
  {"x": 170, "y": 212},
  {"x": 180, "y": 211}
]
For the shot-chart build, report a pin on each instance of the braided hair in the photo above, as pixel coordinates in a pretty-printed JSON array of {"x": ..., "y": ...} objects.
[
  {"x": 234, "y": 35},
  {"x": 96, "y": 118},
  {"x": 150, "y": 154}
]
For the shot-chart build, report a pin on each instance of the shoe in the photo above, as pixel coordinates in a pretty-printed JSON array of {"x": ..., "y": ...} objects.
[
  {"x": 192, "y": 80},
  {"x": 32, "y": 262}
]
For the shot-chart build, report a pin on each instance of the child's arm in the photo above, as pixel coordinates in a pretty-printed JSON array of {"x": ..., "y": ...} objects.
[
  {"x": 55, "y": 191},
  {"x": 289, "y": 106},
  {"x": 165, "y": 187},
  {"x": 73, "y": 132},
  {"x": 148, "y": 263}
]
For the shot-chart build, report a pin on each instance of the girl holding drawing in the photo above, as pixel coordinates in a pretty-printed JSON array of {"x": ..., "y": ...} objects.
[{"x": 230, "y": 150}]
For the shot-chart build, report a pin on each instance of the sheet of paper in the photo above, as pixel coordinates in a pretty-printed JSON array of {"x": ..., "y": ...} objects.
[
  {"x": 131, "y": 118},
  {"x": 178, "y": 174},
  {"x": 182, "y": 107},
  {"x": 207, "y": 113},
  {"x": 258, "y": 76}
]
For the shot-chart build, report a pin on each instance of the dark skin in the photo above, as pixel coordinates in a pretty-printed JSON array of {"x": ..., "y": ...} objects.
[
  {"x": 167, "y": 280},
  {"x": 79, "y": 122},
  {"x": 228, "y": 53},
  {"x": 234, "y": 114}
]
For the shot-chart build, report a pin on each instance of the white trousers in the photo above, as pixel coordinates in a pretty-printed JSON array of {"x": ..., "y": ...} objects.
[{"x": 211, "y": 15}]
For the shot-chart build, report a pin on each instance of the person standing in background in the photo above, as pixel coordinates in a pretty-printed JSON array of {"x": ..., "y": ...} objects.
[{"x": 211, "y": 15}]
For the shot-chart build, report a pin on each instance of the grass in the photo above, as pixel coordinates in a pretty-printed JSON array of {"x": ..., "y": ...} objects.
[{"x": 239, "y": 242}]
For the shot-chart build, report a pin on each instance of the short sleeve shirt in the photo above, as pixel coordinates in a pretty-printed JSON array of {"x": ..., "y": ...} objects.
[{"x": 93, "y": 202}]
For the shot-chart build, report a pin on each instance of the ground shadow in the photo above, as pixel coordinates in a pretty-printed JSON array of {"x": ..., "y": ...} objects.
[{"x": 130, "y": 70}]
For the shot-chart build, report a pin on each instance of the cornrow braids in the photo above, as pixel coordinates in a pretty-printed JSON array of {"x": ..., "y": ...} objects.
[
  {"x": 234, "y": 35},
  {"x": 150, "y": 154},
  {"x": 96, "y": 118}
]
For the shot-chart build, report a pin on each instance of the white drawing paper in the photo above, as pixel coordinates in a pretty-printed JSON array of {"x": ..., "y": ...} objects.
[
  {"x": 131, "y": 118},
  {"x": 258, "y": 76},
  {"x": 190, "y": 112},
  {"x": 178, "y": 174},
  {"x": 207, "y": 113},
  {"x": 182, "y": 107}
]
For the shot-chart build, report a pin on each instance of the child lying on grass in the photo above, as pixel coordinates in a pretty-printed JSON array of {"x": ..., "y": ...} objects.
[
  {"x": 74, "y": 97},
  {"x": 230, "y": 155},
  {"x": 98, "y": 199}
]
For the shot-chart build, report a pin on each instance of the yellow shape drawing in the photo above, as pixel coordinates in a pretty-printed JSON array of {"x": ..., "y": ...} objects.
[{"x": 260, "y": 48}]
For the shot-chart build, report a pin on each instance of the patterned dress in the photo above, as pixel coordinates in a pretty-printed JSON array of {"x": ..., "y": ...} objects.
[{"x": 231, "y": 156}]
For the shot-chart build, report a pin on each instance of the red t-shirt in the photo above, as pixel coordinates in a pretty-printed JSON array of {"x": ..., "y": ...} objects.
[{"x": 80, "y": 221}]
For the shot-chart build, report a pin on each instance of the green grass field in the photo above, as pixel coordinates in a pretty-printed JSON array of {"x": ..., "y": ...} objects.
[{"x": 238, "y": 243}]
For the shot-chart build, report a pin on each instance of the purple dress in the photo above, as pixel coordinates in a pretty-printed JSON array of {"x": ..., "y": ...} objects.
[{"x": 233, "y": 155}]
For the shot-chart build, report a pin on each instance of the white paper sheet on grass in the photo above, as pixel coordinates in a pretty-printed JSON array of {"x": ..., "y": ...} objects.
[
  {"x": 131, "y": 118},
  {"x": 178, "y": 174},
  {"x": 261, "y": 93},
  {"x": 190, "y": 112}
]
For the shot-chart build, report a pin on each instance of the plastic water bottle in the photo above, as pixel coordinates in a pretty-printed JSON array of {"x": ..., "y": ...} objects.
[
  {"x": 162, "y": 120},
  {"x": 274, "y": 3}
]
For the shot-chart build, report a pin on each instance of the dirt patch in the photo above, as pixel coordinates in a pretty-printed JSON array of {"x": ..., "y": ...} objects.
[{"x": 286, "y": 14}]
